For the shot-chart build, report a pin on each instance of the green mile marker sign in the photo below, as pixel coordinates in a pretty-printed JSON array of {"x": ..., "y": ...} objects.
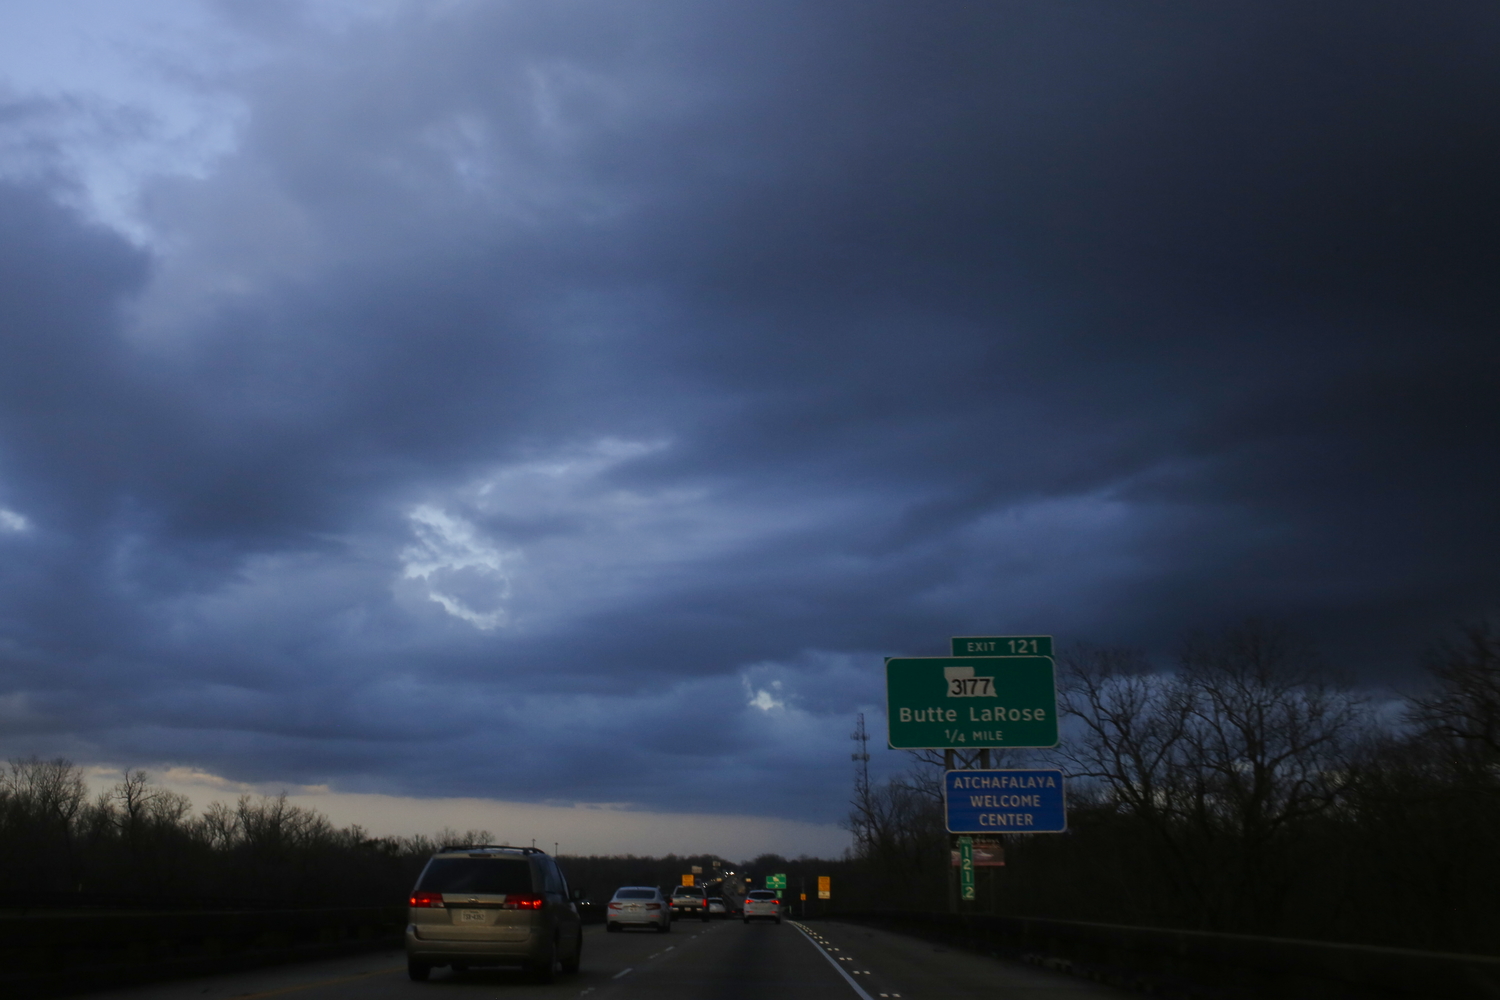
[
  {"x": 937, "y": 702},
  {"x": 966, "y": 868}
]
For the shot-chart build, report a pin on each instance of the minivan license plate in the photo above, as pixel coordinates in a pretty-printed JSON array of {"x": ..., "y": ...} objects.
[{"x": 471, "y": 916}]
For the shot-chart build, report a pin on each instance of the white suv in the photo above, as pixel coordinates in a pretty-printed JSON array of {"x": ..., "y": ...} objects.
[{"x": 762, "y": 904}]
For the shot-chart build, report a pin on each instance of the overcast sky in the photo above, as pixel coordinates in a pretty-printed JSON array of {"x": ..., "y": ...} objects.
[{"x": 572, "y": 402}]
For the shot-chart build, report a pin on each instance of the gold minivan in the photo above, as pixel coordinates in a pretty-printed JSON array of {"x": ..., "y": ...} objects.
[{"x": 493, "y": 905}]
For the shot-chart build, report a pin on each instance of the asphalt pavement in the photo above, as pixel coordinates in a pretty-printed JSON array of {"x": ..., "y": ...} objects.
[{"x": 721, "y": 960}]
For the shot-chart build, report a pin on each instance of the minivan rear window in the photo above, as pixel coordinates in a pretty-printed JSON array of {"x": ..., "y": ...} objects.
[
  {"x": 762, "y": 894},
  {"x": 486, "y": 876}
]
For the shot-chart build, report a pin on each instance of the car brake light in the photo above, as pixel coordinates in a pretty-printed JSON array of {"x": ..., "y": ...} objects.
[
  {"x": 522, "y": 901},
  {"x": 614, "y": 906},
  {"x": 425, "y": 899}
]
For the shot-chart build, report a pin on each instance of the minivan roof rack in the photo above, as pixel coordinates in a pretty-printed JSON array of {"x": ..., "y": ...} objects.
[{"x": 489, "y": 847}]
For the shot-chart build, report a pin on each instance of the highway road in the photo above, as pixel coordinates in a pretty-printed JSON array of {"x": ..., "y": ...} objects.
[{"x": 723, "y": 960}]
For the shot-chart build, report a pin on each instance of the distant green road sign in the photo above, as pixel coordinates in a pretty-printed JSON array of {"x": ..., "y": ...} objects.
[
  {"x": 1002, "y": 645},
  {"x": 976, "y": 701},
  {"x": 775, "y": 881}
]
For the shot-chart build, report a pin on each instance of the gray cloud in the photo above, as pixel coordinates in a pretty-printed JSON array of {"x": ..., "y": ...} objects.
[{"x": 534, "y": 390}]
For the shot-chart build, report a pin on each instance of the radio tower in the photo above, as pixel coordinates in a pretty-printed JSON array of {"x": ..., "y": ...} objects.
[{"x": 862, "y": 758}]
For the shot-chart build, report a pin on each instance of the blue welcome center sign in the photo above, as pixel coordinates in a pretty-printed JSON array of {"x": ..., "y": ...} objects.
[{"x": 1008, "y": 801}]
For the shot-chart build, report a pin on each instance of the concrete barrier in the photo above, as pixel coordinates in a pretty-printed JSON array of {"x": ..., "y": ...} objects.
[
  {"x": 50, "y": 953},
  {"x": 1198, "y": 965}
]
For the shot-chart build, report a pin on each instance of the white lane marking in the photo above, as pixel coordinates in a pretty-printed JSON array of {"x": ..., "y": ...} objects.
[
  {"x": 668, "y": 948},
  {"x": 833, "y": 962},
  {"x": 622, "y": 972}
]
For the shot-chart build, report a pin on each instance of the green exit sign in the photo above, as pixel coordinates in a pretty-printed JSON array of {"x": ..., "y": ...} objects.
[
  {"x": 775, "y": 881},
  {"x": 937, "y": 702},
  {"x": 1002, "y": 645}
]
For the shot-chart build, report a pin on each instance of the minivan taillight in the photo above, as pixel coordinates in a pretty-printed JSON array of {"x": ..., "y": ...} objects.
[
  {"x": 522, "y": 901},
  {"x": 425, "y": 899}
]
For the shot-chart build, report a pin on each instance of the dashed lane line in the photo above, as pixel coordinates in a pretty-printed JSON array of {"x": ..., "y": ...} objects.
[
  {"x": 625, "y": 972},
  {"x": 833, "y": 962}
]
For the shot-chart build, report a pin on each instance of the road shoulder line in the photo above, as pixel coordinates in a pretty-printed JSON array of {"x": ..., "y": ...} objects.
[{"x": 834, "y": 962}]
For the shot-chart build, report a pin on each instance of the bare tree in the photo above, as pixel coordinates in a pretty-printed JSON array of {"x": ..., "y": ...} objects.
[
  {"x": 1273, "y": 741},
  {"x": 142, "y": 805},
  {"x": 49, "y": 797},
  {"x": 151, "y": 820},
  {"x": 272, "y": 825},
  {"x": 218, "y": 827},
  {"x": 898, "y": 828},
  {"x": 1128, "y": 747},
  {"x": 902, "y": 840},
  {"x": 50, "y": 789},
  {"x": 449, "y": 837},
  {"x": 1216, "y": 763},
  {"x": 1463, "y": 713},
  {"x": 1132, "y": 725}
]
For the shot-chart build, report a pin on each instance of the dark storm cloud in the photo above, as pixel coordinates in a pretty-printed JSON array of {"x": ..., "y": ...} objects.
[{"x": 551, "y": 384}]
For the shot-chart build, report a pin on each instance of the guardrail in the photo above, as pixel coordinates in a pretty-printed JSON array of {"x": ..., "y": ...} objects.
[
  {"x": 1201, "y": 965},
  {"x": 53, "y": 953}
]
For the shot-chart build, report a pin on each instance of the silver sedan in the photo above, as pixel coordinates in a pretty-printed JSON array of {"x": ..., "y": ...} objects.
[{"x": 638, "y": 906}]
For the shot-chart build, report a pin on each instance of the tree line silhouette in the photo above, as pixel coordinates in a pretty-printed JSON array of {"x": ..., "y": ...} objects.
[
  {"x": 139, "y": 841},
  {"x": 139, "y": 844}
]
